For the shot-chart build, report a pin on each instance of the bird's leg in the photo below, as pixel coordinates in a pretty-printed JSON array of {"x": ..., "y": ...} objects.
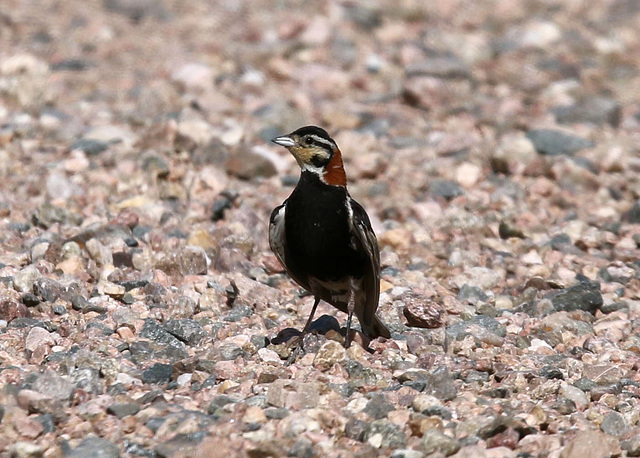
[
  {"x": 300, "y": 347},
  {"x": 313, "y": 311},
  {"x": 351, "y": 305}
]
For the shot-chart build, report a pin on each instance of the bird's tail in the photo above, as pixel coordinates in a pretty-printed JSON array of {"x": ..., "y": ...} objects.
[{"x": 375, "y": 329}]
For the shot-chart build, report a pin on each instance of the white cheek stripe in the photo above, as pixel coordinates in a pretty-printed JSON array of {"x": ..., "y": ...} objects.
[{"x": 323, "y": 140}]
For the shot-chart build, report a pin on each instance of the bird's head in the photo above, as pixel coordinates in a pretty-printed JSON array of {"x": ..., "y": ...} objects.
[{"x": 316, "y": 152}]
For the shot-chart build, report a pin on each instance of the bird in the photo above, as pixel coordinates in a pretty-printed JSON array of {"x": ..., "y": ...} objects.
[{"x": 324, "y": 238}]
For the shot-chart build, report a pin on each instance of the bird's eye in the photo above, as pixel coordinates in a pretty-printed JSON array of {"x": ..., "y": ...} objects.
[{"x": 308, "y": 141}]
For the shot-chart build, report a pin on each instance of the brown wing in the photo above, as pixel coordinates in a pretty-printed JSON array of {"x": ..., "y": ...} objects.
[{"x": 365, "y": 240}]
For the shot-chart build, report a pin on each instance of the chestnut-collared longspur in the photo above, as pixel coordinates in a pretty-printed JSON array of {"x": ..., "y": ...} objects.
[{"x": 323, "y": 237}]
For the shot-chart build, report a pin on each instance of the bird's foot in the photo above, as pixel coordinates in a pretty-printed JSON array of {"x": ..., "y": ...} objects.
[
  {"x": 297, "y": 351},
  {"x": 355, "y": 336}
]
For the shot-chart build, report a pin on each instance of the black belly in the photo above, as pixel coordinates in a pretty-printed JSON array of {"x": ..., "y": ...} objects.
[{"x": 318, "y": 238}]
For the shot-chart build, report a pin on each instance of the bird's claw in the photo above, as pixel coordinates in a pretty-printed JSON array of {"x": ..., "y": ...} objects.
[{"x": 296, "y": 352}]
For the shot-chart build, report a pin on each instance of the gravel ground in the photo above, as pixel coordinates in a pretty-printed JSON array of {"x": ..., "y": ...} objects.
[{"x": 494, "y": 144}]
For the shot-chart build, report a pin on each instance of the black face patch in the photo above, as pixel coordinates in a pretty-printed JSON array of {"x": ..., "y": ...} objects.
[{"x": 318, "y": 161}]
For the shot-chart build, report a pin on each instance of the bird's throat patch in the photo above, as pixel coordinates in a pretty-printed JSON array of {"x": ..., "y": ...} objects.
[{"x": 334, "y": 171}]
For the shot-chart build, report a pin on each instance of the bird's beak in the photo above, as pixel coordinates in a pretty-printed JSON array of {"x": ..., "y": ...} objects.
[{"x": 284, "y": 141}]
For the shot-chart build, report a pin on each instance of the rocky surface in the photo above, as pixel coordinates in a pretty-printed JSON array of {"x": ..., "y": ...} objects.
[{"x": 495, "y": 147}]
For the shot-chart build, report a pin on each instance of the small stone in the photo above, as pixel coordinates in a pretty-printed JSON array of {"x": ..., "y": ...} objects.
[
  {"x": 471, "y": 294},
  {"x": 596, "y": 109},
  {"x": 550, "y": 372},
  {"x": 123, "y": 409},
  {"x": 112, "y": 134},
  {"x": 424, "y": 402},
  {"x": 269, "y": 356},
  {"x": 111, "y": 289},
  {"x": 447, "y": 189},
  {"x": 330, "y": 353},
  {"x": 99, "y": 253},
  {"x": 481, "y": 277},
  {"x": 468, "y": 174},
  {"x": 157, "y": 374},
  {"x": 585, "y": 295},
  {"x": 189, "y": 331},
  {"x": 38, "y": 337},
  {"x": 367, "y": 17},
  {"x": 219, "y": 402},
  {"x": 590, "y": 443},
  {"x": 58, "y": 186},
  {"x": 631, "y": 446},
  {"x": 54, "y": 386},
  {"x": 446, "y": 67},
  {"x": 95, "y": 447},
  {"x": 555, "y": 142},
  {"x": 435, "y": 441},
  {"x": 247, "y": 165},
  {"x": 276, "y": 413},
  {"x": 539, "y": 34},
  {"x": 384, "y": 434},
  {"x": 574, "y": 394},
  {"x": 11, "y": 309},
  {"x": 192, "y": 260},
  {"x": 254, "y": 414},
  {"x": 293, "y": 394},
  {"x": 89, "y": 146},
  {"x": 229, "y": 351},
  {"x": 422, "y": 312},
  {"x": 378, "y": 407},
  {"x": 29, "y": 299},
  {"x": 23, "y": 279},
  {"x": 614, "y": 425},
  {"x": 194, "y": 76},
  {"x": 26, "y": 450},
  {"x": 439, "y": 383}
]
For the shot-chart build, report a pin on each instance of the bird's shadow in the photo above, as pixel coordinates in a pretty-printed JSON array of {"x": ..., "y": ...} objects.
[{"x": 327, "y": 326}]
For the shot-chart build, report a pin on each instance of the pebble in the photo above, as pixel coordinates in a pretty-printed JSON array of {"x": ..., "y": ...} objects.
[
  {"x": 95, "y": 446},
  {"x": 447, "y": 189},
  {"x": 479, "y": 277},
  {"x": 597, "y": 110},
  {"x": 551, "y": 142},
  {"x": 330, "y": 353},
  {"x": 467, "y": 175},
  {"x": 188, "y": 331},
  {"x": 157, "y": 374},
  {"x": 384, "y": 434},
  {"x": 584, "y": 295},
  {"x": 194, "y": 76},
  {"x": 23, "y": 279},
  {"x": 378, "y": 407},
  {"x": 294, "y": 395},
  {"x": 246, "y": 164},
  {"x": 589, "y": 443},
  {"x": 446, "y": 67},
  {"x": 123, "y": 409},
  {"x": 434, "y": 441},
  {"x": 422, "y": 312},
  {"x": 631, "y": 446},
  {"x": 614, "y": 424},
  {"x": 26, "y": 450},
  {"x": 37, "y": 338}
]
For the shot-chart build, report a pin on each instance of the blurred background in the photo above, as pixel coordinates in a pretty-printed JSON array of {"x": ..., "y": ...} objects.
[
  {"x": 168, "y": 106},
  {"x": 494, "y": 145}
]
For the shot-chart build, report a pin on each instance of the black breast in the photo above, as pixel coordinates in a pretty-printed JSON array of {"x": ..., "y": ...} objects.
[{"x": 318, "y": 238}]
